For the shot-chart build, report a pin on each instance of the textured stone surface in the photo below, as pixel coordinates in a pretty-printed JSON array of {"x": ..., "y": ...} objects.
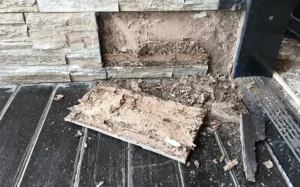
[
  {"x": 155, "y": 72},
  {"x": 49, "y": 39},
  {"x": 18, "y": 6},
  {"x": 34, "y": 74},
  {"x": 167, "y": 5},
  {"x": 11, "y": 18},
  {"x": 78, "y": 5}
]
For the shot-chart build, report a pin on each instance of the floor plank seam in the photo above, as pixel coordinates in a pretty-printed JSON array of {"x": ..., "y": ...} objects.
[
  {"x": 7, "y": 104},
  {"x": 224, "y": 152},
  {"x": 30, "y": 148},
  {"x": 129, "y": 164},
  {"x": 278, "y": 165},
  {"x": 181, "y": 174},
  {"x": 79, "y": 158}
]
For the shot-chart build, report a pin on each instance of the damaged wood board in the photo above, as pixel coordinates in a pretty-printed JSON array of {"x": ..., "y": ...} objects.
[
  {"x": 165, "y": 127},
  {"x": 252, "y": 129}
]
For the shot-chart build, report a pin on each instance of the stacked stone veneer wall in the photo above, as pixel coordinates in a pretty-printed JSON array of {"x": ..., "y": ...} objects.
[{"x": 57, "y": 40}]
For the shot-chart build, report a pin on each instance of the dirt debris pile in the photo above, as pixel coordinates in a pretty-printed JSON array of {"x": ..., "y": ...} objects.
[{"x": 219, "y": 91}]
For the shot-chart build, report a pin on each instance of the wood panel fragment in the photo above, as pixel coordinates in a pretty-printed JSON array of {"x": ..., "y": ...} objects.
[
  {"x": 252, "y": 129},
  {"x": 165, "y": 127},
  {"x": 18, "y": 6},
  {"x": 78, "y": 5}
]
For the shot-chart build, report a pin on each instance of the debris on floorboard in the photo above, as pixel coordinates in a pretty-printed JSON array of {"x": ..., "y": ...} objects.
[
  {"x": 252, "y": 128},
  {"x": 165, "y": 127},
  {"x": 231, "y": 164},
  {"x": 269, "y": 164},
  {"x": 224, "y": 112}
]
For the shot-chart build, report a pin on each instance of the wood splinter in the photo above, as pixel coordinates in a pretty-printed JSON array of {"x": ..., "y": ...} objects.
[{"x": 252, "y": 129}]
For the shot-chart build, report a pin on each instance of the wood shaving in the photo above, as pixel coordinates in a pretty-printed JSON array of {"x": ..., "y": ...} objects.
[
  {"x": 221, "y": 159},
  {"x": 188, "y": 164},
  {"x": 58, "y": 97},
  {"x": 100, "y": 184},
  {"x": 197, "y": 164},
  {"x": 231, "y": 164},
  {"x": 269, "y": 164},
  {"x": 215, "y": 161},
  {"x": 78, "y": 134}
]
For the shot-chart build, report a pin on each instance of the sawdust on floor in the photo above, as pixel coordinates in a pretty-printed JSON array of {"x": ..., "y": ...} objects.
[{"x": 133, "y": 33}]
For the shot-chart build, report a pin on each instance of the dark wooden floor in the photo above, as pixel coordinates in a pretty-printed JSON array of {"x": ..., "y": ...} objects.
[{"x": 38, "y": 148}]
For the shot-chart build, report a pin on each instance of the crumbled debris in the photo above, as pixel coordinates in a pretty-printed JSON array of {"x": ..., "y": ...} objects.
[
  {"x": 188, "y": 164},
  {"x": 135, "y": 86},
  {"x": 100, "y": 184},
  {"x": 250, "y": 85},
  {"x": 229, "y": 144},
  {"x": 225, "y": 111},
  {"x": 197, "y": 164},
  {"x": 58, "y": 97},
  {"x": 229, "y": 165},
  {"x": 221, "y": 159},
  {"x": 269, "y": 164},
  {"x": 78, "y": 134},
  {"x": 200, "y": 15},
  {"x": 215, "y": 161}
]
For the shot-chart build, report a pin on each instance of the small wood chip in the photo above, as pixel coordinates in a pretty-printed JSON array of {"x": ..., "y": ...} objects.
[
  {"x": 197, "y": 164},
  {"x": 230, "y": 164},
  {"x": 268, "y": 164},
  {"x": 172, "y": 142},
  {"x": 215, "y": 161},
  {"x": 85, "y": 145},
  {"x": 78, "y": 134},
  {"x": 58, "y": 97},
  {"x": 100, "y": 184},
  {"x": 221, "y": 159},
  {"x": 188, "y": 164}
]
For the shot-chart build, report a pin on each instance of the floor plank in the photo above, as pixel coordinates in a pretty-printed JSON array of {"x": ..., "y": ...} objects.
[
  {"x": 53, "y": 159},
  {"x": 105, "y": 159},
  {"x": 208, "y": 173},
  {"x": 146, "y": 168},
  {"x": 4, "y": 96},
  {"x": 17, "y": 128}
]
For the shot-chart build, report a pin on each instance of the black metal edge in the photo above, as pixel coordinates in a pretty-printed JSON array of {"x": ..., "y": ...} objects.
[
  {"x": 265, "y": 22},
  {"x": 294, "y": 25},
  {"x": 230, "y": 4}
]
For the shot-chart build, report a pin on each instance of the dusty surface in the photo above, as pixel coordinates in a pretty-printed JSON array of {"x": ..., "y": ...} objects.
[
  {"x": 288, "y": 67},
  {"x": 161, "y": 54},
  {"x": 129, "y": 33},
  {"x": 166, "y": 127}
]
